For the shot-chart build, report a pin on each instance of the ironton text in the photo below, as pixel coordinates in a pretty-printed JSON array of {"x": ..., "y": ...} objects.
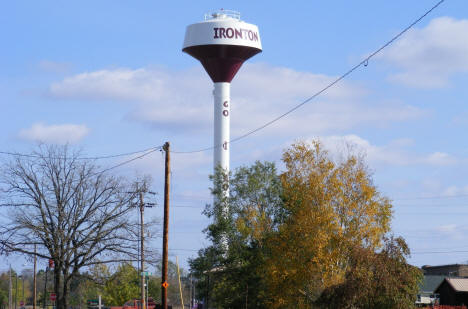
[{"x": 229, "y": 33}]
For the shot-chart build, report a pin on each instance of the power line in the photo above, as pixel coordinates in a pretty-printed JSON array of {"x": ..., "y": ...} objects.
[
  {"x": 436, "y": 252},
  {"x": 122, "y": 154},
  {"x": 202, "y": 198},
  {"x": 128, "y": 161},
  {"x": 191, "y": 196},
  {"x": 415, "y": 206},
  {"x": 444, "y": 249},
  {"x": 431, "y": 197},
  {"x": 364, "y": 62},
  {"x": 17, "y": 154},
  {"x": 112, "y": 167},
  {"x": 180, "y": 249},
  {"x": 188, "y": 206},
  {"x": 434, "y": 213}
]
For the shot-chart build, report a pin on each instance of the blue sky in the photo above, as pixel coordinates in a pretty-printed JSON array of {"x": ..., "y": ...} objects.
[{"x": 109, "y": 76}]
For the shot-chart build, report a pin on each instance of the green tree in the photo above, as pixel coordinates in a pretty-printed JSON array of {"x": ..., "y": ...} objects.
[
  {"x": 381, "y": 280},
  {"x": 3, "y": 298},
  {"x": 83, "y": 288},
  {"x": 17, "y": 281},
  {"x": 154, "y": 288},
  {"x": 4, "y": 283},
  {"x": 122, "y": 286},
  {"x": 233, "y": 278}
]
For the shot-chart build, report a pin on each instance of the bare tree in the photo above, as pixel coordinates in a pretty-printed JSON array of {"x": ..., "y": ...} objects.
[{"x": 77, "y": 215}]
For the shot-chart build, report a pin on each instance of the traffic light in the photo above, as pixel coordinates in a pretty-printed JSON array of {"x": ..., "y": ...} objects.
[{"x": 51, "y": 263}]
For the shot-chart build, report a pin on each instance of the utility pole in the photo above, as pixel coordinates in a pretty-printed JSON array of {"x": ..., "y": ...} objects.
[
  {"x": 167, "y": 170},
  {"x": 180, "y": 284},
  {"x": 16, "y": 289},
  {"x": 45, "y": 288},
  {"x": 138, "y": 253},
  {"x": 10, "y": 298},
  {"x": 191, "y": 291},
  {"x": 22, "y": 298},
  {"x": 142, "y": 238},
  {"x": 147, "y": 286},
  {"x": 34, "y": 279}
]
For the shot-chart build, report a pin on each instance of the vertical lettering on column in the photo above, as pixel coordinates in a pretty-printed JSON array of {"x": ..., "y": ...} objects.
[
  {"x": 225, "y": 111},
  {"x": 225, "y": 114}
]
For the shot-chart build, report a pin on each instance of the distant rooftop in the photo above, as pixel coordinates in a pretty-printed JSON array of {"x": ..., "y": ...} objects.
[
  {"x": 458, "y": 284},
  {"x": 446, "y": 265},
  {"x": 449, "y": 270},
  {"x": 430, "y": 283}
]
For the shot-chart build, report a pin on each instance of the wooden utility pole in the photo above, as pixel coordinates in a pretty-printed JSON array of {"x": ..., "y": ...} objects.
[
  {"x": 167, "y": 172},
  {"x": 45, "y": 288},
  {"x": 191, "y": 291},
  {"x": 16, "y": 288},
  {"x": 142, "y": 238},
  {"x": 34, "y": 278},
  {"x": 180, "y": 284},
  {"x": 10, "y": 298}
]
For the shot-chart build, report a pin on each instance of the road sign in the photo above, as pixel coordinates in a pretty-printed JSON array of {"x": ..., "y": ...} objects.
[
  {"x": 165, "y": 285},
  {"x": 53, "y": 296},
  {"x": 146, "y": 273}
]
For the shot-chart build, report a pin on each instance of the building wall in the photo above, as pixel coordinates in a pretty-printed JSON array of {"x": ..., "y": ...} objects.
[
  {"x": 454, "y": 270},
  {"x": 449, "y": 297},
  {"x": 446, "y": 294}
]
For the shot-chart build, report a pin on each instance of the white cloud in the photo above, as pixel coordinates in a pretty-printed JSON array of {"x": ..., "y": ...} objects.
[
  {"x": 56, "y": 134},
  {"x": 120, "y": 84},
  {"x": 429, "y": 56},
  {"x": 452, "y": 231},
  {"x": 394, "y": 153},
  {"x": 455, "y": 190},
  {"x": 158, "y": 97},
  {"x": 375, "y": 154},
  {"x": 260, "y": 92},
  {"x": 448, "y": 228},
  {"x": 440, "y": 158}
]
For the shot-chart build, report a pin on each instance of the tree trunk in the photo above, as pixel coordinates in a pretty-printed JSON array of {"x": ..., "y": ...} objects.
[
  {"x": 64, "y": 294},
  {"x": 57, "y": 282},
  {"x": 66, "y": 280}
]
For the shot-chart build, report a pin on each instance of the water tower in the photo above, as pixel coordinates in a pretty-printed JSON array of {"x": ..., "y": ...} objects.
[{"x": 222, "y": 42}]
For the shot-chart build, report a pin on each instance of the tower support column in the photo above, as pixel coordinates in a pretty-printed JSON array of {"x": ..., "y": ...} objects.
[{"x": 222, "y": 111}]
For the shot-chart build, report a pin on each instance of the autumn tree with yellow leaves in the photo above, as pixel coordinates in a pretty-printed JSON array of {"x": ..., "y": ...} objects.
[
  {"x": 293, "y": 236},
  {"x": 332, "y": 207}
]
